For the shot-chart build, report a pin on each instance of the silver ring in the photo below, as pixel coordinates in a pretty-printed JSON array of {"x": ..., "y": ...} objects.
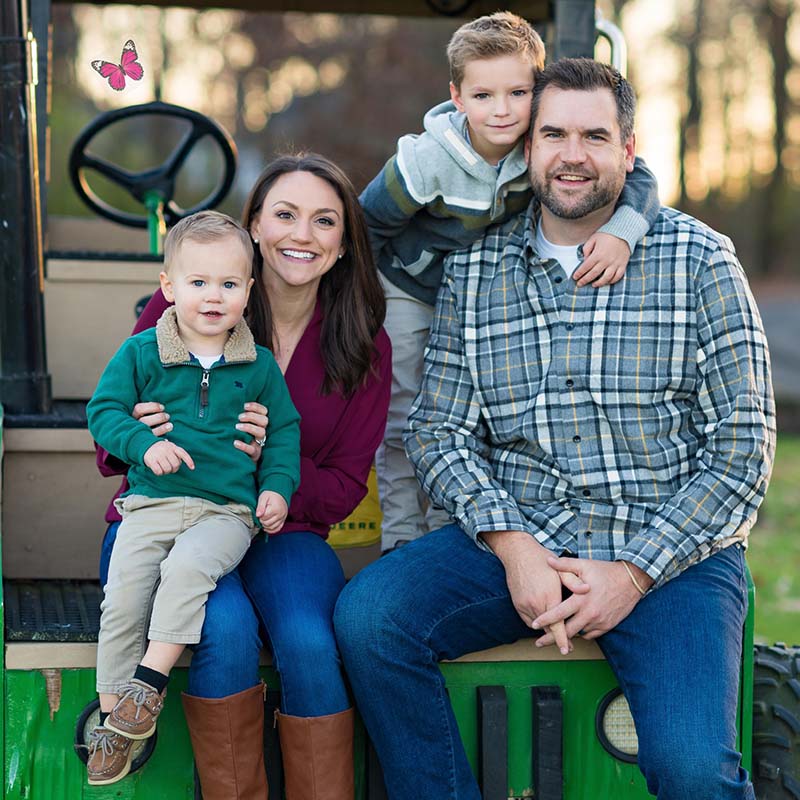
[{"x": 262, "y": 441}]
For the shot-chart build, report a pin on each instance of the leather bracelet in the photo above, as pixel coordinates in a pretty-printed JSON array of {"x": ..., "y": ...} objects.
[{"x": 633, "y": 577}]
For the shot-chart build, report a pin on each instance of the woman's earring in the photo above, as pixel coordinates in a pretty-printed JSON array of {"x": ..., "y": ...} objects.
[
  {"x": 255, "y": 241},
  {"x": 340, "y": 255}
]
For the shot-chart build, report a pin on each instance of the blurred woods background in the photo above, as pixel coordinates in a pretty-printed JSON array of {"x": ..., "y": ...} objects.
[
  {"x": 345, "y": 86},
  {"x": 718, "y": 122},
  {"x": 718, "y": 82}
]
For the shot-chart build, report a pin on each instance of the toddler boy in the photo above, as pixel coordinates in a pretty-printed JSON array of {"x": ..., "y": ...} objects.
[
  {"x": 191, "y": 510},
  {"x": 439, "y": 193}
]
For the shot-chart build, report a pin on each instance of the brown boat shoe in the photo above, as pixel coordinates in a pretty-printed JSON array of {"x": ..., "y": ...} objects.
[
  {"x": 136, "y": 711},
  {"x": 110, "y": 756}
]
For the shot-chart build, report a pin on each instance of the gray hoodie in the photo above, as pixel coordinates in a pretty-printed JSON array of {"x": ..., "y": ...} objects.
[{"x": 436, "y": 195}]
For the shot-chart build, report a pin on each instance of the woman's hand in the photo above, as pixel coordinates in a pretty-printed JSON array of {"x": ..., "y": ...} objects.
[
  {"x": 154, "y": 416},
  {"x": 254, "y": 421}
]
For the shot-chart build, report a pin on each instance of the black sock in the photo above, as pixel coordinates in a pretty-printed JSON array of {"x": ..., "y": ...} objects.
[
  {"x": 150, "y": 676},
  {"x": 103, "y": 717}
]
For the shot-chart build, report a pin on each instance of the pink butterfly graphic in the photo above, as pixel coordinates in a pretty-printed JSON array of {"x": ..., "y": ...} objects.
[{"x": 116, "y": 72}]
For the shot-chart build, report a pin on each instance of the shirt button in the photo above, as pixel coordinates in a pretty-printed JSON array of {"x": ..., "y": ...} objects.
[
  {"x": 576, "y": 439},
  {"x": 586, "y": 493},
  {"x": 570, "y": 382},
  {"x": 558, "y": 279},
  {"x": 569, "y": 326},
  {"x": 588, "y": 533}
]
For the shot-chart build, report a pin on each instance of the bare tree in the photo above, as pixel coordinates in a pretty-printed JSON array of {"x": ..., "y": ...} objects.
[
  {"x": 689, "y": 34},
  {"x": 775, "y": 17}
]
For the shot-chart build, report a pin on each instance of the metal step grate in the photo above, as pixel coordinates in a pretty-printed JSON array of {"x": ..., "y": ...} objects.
[
  {"x": 52, "y": 611},
  {"x": 63, "y": 414}
]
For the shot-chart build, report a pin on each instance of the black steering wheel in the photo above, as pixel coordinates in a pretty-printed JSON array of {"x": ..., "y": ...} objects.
[
  {"x": 449, "y": 8},
  {"x": 160, "y": 180}
]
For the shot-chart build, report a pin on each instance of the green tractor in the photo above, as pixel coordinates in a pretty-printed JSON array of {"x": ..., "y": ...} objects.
[{"x": 535, "y": 724}]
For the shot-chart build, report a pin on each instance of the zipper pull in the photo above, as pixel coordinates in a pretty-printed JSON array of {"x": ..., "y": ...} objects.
[{"x": 204, "y": 392}]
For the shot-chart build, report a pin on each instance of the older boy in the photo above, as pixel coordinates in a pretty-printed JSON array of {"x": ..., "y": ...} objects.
[
  {"x": 190, "y": 511},
  {"x": 439, "y": 193}
]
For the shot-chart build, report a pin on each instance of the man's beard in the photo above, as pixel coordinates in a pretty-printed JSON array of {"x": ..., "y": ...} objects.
[{"x": 604, "y": 191}]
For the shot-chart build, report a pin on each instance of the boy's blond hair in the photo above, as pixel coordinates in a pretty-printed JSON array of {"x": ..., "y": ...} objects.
[
  {"x": 204, "y": 226},
  {"x": 498, "y": 34}
]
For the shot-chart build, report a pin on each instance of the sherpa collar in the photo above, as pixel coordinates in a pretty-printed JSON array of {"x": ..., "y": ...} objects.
[{"x": 171, "y": 349}]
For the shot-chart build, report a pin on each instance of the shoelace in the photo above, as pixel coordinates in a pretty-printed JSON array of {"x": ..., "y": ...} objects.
[
  {"x": 138, "y": 694},
  {"x": 102, "y": 740}
]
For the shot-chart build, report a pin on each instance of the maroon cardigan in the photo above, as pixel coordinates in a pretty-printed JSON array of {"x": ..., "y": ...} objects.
[{"x": 338, "y": 436}]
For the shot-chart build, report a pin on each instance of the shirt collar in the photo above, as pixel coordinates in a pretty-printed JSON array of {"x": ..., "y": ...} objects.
[{"x": 533, "y": 216}]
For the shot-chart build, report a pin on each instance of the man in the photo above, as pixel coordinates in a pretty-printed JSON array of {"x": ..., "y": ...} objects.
[{"x": 612, "y": 445}]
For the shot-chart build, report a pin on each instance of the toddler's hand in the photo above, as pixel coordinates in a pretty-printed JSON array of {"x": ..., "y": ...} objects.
[
  {"x": 271, "y": 511},
  {"x": 605, "y": 258},
  {"x": 164, "y": 458}
]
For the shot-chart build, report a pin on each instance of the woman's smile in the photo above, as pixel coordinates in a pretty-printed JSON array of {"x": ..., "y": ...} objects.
[{"x": 299, "y": 230}]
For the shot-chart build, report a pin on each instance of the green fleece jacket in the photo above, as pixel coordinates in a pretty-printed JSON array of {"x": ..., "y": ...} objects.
[{"x": 204, "y": 406}]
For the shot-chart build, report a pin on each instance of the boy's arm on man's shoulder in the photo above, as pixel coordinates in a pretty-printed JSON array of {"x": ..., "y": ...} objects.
[
  {"x": 638, "y": 206},
  {"x": 389, "y": 201},
  {"x": 279, "y": 466},
  {"x": 109, "y": 411}
]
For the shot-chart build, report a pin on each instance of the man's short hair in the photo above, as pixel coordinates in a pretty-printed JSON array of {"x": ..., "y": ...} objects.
[
  {"x": 204, "y": 227},
  {"x": 585, "y": 75},
  {"x": 498, "y": 34}
]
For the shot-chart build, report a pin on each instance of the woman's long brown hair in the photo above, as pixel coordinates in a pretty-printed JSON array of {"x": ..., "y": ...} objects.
[{"x": 353, "y": 303}]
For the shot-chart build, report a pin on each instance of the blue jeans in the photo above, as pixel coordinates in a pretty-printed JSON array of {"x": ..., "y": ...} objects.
[
  {"x": 441, "y": 596},
  {"x": 285, "y": 588}
]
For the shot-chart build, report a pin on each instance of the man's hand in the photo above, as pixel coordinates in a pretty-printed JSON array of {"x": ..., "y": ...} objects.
[
  {"x": 611, "y": 596},
  {"x": 533, "y": 584},
  {"x": 164, "y": 458},
  {"x": 271, "y": 511},
  {"x": 605, "y": 258}
]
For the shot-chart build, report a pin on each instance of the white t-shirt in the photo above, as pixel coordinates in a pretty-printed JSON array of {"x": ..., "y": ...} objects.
[
  {"x": 566, "y": 255},
  {"x": 207, "y": 361}
]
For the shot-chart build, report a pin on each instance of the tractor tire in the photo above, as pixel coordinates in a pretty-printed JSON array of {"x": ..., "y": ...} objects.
[{"x": 776, "y": 722}]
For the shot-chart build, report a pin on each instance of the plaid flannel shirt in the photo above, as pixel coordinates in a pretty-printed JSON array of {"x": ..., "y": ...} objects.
[{"x": 632, "y": 422}]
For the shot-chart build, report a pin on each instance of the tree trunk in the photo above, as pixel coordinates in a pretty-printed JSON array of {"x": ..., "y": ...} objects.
[
  {"x": 689, "y": 133},
  {"x": 776, "y": 20}
]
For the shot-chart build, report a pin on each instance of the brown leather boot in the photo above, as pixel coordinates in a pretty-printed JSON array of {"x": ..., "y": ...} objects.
[
  {"x": 317, "y": 756},
  {"x": 228, "y": 741}
]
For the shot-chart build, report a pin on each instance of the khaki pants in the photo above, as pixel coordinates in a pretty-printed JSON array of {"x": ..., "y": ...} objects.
[
  {"x": 175, "y": 548},
  {"x": 407, "y": 513}
]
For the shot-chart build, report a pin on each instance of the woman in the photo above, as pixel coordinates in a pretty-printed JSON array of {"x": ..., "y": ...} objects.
[{"x": 318, "y": 304}]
